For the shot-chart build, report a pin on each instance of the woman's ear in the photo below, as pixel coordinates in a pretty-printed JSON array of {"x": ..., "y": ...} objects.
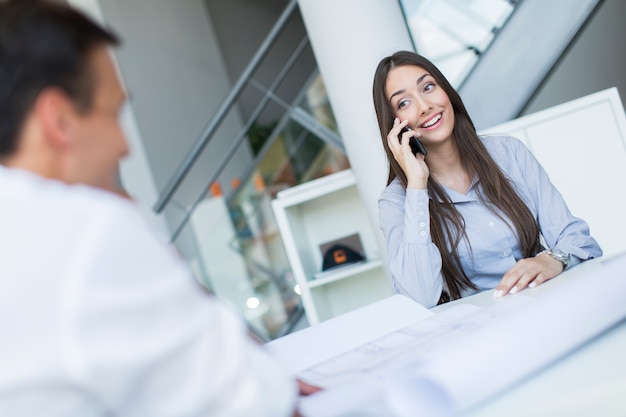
[{"x": 56, "y": 115}]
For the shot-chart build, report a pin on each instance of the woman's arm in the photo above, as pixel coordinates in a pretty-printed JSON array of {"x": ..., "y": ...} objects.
[
  {"x": 414, "y": 261},
  {"x": 558, "y": 226}
]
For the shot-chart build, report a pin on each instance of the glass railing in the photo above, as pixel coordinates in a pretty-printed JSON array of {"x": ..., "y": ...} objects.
[
  {"x": 228, "y": 233},
  {"x": 454, "y": 33},
  {"x": 273, "y": 130}
]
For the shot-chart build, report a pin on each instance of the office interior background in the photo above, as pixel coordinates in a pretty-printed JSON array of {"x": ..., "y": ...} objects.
[{"x": 237, "y": 104}]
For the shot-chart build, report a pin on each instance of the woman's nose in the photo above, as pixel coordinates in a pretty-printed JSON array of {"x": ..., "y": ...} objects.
[{"x": 422, "y": 105}]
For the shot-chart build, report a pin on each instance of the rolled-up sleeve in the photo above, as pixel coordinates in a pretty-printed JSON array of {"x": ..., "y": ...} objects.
[{"x": 558, "y": 226}]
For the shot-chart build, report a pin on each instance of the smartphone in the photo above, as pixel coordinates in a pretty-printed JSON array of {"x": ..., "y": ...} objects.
[{"x": 414, "y": 143}]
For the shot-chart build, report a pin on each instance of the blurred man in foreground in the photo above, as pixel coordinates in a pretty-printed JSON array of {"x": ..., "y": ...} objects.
[{"x": 97, "y": 317}]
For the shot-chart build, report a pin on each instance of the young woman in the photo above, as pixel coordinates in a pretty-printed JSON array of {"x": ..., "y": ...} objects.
[{"x": 472, "y": 215}]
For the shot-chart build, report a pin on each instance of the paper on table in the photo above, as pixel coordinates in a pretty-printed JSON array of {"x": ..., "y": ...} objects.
[
  {"x": 301, "y": 350},
  {"x": 360, "y": 379},
  {"x": 490, "y": 350},
  {"x": 369, "y": 358}
]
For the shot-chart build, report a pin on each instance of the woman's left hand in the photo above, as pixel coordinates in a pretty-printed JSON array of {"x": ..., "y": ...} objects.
[{"x": 528, "y": 272}]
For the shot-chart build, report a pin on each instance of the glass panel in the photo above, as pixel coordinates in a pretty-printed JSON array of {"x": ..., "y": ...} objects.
[
  {"x": 316, "y": 102},
  {"x": 453, "y": 33},
  {"x": 227, "y": 230},
  {"x": 234, "y": 257},
  {"x": 233, "y": 244}
]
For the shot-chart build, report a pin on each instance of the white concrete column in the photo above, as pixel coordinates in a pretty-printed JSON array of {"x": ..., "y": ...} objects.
[{"x": 349, "y": 38}]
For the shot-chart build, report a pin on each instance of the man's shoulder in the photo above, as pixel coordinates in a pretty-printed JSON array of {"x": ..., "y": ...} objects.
[
  {"x": 40, "y": 195},
  {"x": 87, "y": 202}
]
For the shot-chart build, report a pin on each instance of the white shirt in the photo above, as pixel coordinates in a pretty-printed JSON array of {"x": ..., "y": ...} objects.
[{"x": 98, "y": 318}]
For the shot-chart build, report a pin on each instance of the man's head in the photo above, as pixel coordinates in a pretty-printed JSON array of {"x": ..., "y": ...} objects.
[{"x": 60, "y": 95}]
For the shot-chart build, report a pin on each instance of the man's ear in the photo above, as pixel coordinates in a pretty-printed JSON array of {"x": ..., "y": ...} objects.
[{"x": 56, "y": 115}]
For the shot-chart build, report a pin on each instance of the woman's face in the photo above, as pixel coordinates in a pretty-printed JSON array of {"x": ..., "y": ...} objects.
[{"x": 415, "y": 96}]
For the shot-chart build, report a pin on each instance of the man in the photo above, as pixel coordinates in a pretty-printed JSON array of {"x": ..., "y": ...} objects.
[{"x": 97, "y": 318}]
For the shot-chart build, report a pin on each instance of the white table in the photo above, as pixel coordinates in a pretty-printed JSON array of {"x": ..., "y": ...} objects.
[{"x": 588, "y": 380}]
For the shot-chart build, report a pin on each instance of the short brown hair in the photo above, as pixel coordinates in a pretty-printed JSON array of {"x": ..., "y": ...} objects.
[{"x": 43, "y": 44}]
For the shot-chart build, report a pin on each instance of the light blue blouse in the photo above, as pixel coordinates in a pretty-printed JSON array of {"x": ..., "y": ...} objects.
[{"x": 415, "y": 262}]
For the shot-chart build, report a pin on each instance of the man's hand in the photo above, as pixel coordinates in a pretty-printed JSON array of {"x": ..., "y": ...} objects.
[{"x": 307, "y": 389}]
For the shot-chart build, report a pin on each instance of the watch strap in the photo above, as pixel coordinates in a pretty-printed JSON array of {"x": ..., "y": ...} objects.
[{"x": 557, "y": 254}]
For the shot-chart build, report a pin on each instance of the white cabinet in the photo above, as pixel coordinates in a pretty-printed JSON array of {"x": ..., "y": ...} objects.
[{"x": 317, "y": 212}]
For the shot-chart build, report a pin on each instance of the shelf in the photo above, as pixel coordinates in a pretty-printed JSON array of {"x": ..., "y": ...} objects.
[
  {"x": 315, "y": 188},
  {"x": 322, "y": 211},
  {"x": 327, "y": 277}
]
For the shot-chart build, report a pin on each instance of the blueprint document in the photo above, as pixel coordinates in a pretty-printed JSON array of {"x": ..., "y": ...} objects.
[{"x": 443, "y": 363}]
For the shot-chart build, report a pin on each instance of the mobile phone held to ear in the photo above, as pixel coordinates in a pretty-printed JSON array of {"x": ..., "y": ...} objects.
[{"x": 414, "y": 143}]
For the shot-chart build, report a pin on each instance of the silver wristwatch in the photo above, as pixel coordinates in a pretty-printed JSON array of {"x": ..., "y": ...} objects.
[{"x": 557, "y": 254}]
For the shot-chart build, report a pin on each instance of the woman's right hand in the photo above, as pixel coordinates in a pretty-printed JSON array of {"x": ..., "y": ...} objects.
[{"x": 414, "y": 166}]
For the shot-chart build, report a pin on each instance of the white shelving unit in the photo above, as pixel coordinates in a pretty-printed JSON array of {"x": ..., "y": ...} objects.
[{"x": 320, "y": 211}]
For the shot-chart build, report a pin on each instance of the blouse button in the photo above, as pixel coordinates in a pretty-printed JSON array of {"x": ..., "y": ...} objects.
[
  {"x": 422, "y": 224},
  {"x": 423, "y": 233},
  {"x": 491, "y": 224}
]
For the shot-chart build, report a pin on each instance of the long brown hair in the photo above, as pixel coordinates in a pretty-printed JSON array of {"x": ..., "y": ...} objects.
[{"x": 447, "y": 226}]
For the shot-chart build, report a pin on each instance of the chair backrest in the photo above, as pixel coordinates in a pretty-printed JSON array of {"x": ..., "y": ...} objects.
[{"x": 582, "y": 146}]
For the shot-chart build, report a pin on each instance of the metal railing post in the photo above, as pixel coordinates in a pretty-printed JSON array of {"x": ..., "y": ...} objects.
[{"x": 193, "y": 154}]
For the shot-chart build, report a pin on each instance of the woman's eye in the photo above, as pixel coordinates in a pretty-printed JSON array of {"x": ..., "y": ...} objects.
[
  {"x": 403, "y": 103},
  {"x": 429, "y": 86}
]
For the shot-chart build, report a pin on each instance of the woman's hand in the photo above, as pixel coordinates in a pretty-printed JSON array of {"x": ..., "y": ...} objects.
[
  {"x": 528, "y": 272},
  {"x": 414, "y": 167}
]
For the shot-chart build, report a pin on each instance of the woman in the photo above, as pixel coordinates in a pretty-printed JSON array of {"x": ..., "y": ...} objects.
[{"x": 470, "y": 215}]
